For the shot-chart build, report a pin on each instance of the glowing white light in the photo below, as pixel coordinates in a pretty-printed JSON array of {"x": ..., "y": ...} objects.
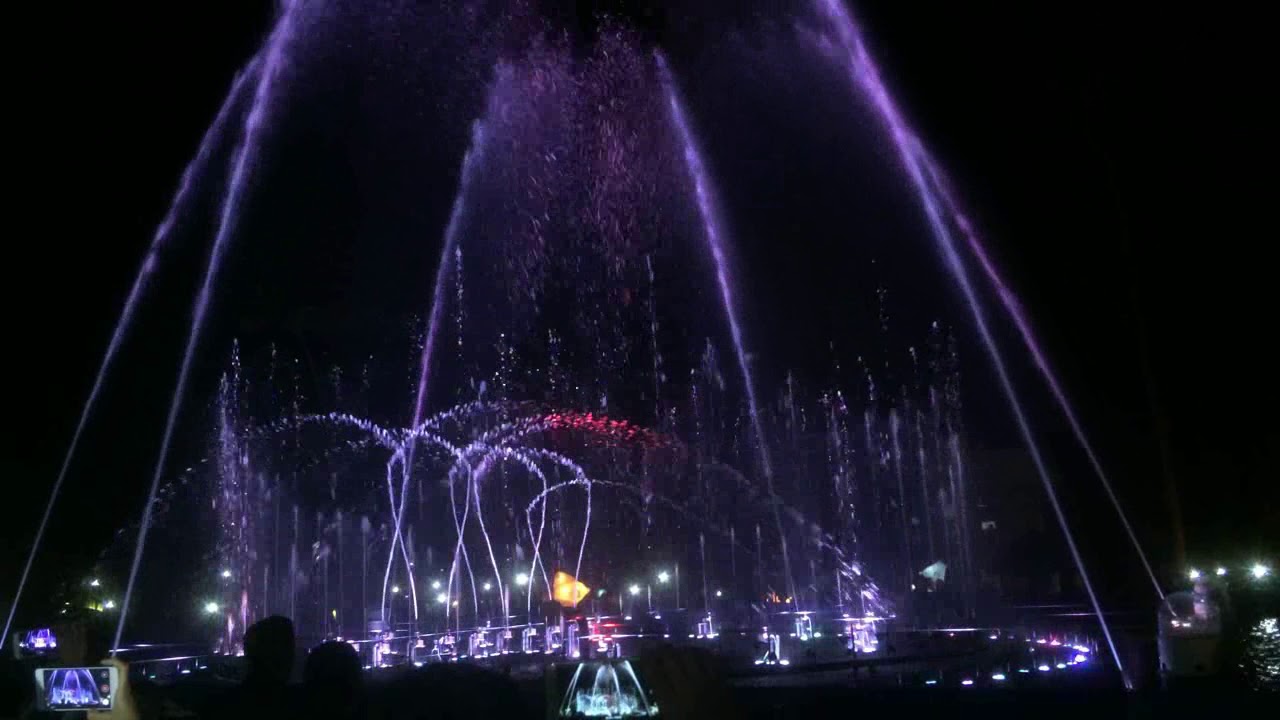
[
  {"x": 226, "y": 573},
  {"x": 966, "y": 682},
  {"x": 1081, "y": 657},
  {"x": 522, "y": 579},
  {"x": 486, "y": 587},
  {"x": 94, "y": 583},
  {"x": 395, "y": 589},
  {"x": 635, "y": 589},
  {"x": 435, "y": 584},
  {"x": 784, "y": 662},
  {"x": 110, "y": 604},
  {"x": 1220, "y": 571},
  {"x": 930, "y": 682},
  {"x": 1259, "y": 571},
  {"x": 211, "y": 607},
  {"x": 1043, "y": 668},
  {"x": 998, "y": 677},
  {"x": 663, "y": 576},
  {"x": 1062, "y": 666},
  {"x": 1194, "y": 574},
  {"x": 719, "y": 593},
  {"x": 442, "y": 598}
]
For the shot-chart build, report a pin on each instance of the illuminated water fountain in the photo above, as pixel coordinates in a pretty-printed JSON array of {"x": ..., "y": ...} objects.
[
  {"x": 606, "y": 690},
  {"x": 566, "y": 413}
]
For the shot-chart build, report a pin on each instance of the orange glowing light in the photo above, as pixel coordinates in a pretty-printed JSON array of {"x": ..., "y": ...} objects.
[{"x": 567, "y": 590}]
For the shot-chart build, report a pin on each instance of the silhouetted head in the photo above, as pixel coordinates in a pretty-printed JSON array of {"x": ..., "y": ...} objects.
[
  {"x": 268, "y": 647},
  {"x": 332, "y": 676},
  {"x": 82, "y": 640}
]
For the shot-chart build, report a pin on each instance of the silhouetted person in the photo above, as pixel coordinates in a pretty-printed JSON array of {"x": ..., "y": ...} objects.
[
  {"x": 332, "y": 682},
  {"x": 268, "y": 651},
  {"x": 268, "y": 648}
]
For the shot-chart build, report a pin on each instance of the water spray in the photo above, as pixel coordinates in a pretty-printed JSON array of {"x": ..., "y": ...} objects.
[{"x": 245, "y": 155}]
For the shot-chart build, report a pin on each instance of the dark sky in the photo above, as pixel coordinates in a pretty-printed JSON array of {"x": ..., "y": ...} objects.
[{"x": 1117, "y": 159}]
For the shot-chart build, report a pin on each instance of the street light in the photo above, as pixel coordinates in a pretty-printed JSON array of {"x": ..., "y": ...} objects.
[
  {"x": 226, "y": 574},
  {"x": 635, "y": 589},
  {"x": 435, "y": 584},
  {"x": 94, "y": 583},
  {"x": 395, "y": 589},
  {"x": 442, "y": 598},
  {"x": 109, "y": 605},
  {"x": 1194, "y": 574},
  {"x": 1259, "y": 571},
  {"x": 719, "y": 593},
  {"x": 663, "y": 577},
  {"x": 1220, "y": 572},
  {"x": 522, "y": 579},
  {"x": 487, "y": 587},
  {"x": 211, "y": 608}
]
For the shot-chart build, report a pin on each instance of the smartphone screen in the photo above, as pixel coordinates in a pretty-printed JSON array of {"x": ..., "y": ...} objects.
[
  {"x": 34, "y": 643},
  {"x": 83, "y": 688}
]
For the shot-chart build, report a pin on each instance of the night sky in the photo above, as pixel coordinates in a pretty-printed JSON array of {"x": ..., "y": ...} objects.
[{"x": 1116, "y": 160}]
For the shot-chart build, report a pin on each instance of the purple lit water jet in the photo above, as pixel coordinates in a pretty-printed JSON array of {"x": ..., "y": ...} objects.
[
  {"x": 712, "y": 231},
  {"x": 186, "y": 185},
  {"x": 451, "y": 239},
  {"x": 1023, "y": 324},
  {"x": 274, "y": 57},
  {"x": 866, "y": 80}
]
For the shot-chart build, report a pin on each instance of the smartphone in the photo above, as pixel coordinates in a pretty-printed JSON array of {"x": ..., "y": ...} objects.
[
  {"x": 40, "y": 642},
  {"x": 78, "y": 688}
]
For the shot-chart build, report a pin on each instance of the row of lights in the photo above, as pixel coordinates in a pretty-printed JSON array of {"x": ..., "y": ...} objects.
[
  {"x": 522, "y": 579},
  {"x": 1258, "y": 572}
]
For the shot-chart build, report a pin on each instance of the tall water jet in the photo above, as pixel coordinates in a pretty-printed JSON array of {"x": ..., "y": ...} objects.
[
  {"x": 186, "y": 184},
  {"x": 702, "y": 550},
  {"x": 733, "y": 556},
  {"x": 895, "y": 423},
  {"x": 341, "y": 578},
  {"x": 1023, "y": 324},
  {"x": 712, "y": 230},
  {"x": 866, "y": 80},
  {"x": 365, "y": 527},
  {"x": 470, "y": 162},
  {"x": 293, "y": 568},
  {"x": 274, "y": 56}
]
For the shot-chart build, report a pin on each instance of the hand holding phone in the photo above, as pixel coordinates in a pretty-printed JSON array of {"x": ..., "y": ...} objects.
[{"x": 123, "y": 706}]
